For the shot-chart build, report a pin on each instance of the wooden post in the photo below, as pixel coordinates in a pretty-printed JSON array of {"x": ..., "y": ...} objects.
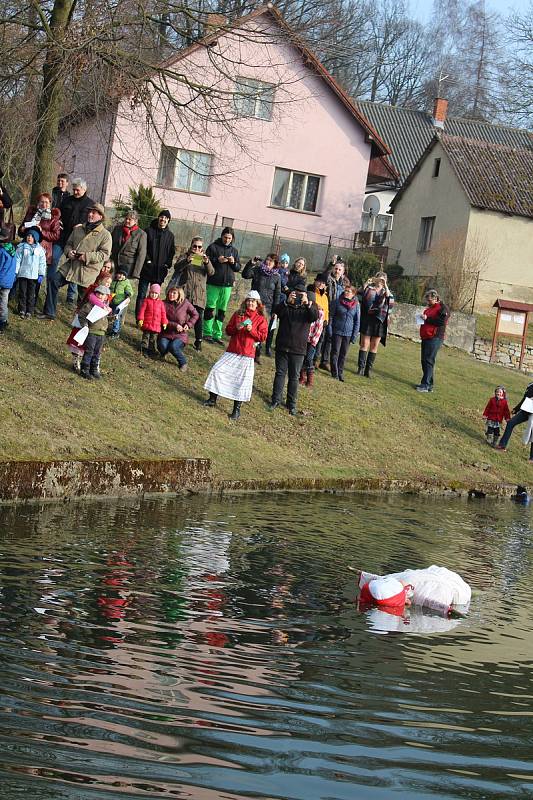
[
  {"x": 495, "y": 335},
  {"x": 524, "y": 335}
]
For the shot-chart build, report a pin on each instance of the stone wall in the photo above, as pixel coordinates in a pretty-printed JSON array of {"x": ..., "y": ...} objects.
[
  {"x": 507, "y": 354},
  {"x": 460, "y": 332},
  {"x": 56, "y": 480}
]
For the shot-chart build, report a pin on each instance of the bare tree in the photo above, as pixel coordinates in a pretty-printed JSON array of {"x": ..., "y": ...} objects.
[
  {"x": 90, "y": 57},
  {"x": 467, "y": 51},
  {"x": 458, "y": 267},
  {"x": 517, "y": 94}
]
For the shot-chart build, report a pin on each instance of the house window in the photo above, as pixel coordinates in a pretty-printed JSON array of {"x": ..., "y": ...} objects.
[
  {"x": 253, "y": 98},
  {"x": 184, "y": 169},
  {"x": 436, "y": 167},
  {"x": 425, "y": 236},
  {"x": 295, "y": 190}
]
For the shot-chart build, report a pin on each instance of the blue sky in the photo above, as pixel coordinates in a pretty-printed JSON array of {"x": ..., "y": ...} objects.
[{"x": 422, "y": 8}]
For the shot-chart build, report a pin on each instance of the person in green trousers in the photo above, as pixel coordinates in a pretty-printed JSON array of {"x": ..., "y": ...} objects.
[{"x": 225, "y": 259}]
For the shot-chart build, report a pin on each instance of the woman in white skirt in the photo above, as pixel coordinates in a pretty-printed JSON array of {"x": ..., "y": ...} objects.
[{"x": 233, "y": 374}]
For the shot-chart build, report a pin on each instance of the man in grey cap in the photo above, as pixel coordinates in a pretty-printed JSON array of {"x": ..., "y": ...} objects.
[{"x": 86, "y": 250}]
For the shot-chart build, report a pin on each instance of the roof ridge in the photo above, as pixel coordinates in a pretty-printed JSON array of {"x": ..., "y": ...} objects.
[{"x": 482, "y": 143}]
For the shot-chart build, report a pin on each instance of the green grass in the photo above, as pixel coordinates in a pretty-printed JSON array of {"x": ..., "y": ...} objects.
[{"x": 380, "y": 428}]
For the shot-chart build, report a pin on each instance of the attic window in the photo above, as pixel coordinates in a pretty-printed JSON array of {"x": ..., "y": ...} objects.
[
  {"x": 253, "y": 98},
  {"x": 436, "y": 167}
]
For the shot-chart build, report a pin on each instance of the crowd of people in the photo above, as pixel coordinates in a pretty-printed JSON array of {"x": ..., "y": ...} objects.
[{"x": 313, "y": 321}]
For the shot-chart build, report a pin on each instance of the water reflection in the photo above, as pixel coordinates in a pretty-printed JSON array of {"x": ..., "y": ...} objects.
[{"x": 193, "y": 648}]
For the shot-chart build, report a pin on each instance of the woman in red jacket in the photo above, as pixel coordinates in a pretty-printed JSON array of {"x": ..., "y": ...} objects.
[
  {"x": 432, "y": 335},
  {"x": 48, "y": 221},
  {"x": 233, "y": 374}
]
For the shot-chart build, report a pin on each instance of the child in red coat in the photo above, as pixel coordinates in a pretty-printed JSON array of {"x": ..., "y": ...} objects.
[
  {"x": 495, "y": 412},
  {"x": 152, "y": 319}
]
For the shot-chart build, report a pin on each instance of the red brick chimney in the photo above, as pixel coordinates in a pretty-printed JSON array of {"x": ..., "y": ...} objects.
[
  {"x": 216, "y": 21},
  {"x": 440, "y": 110}
]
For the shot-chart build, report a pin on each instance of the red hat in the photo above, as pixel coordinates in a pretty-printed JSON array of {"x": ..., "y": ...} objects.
[{"x": 384, "y": 592}]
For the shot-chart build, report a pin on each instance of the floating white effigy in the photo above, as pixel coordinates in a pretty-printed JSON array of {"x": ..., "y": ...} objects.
[{"x": 434, "y": 587}]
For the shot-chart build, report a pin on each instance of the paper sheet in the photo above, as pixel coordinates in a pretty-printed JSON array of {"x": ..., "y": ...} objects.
[
  {"x": 97, "y": 313},
  {"x": 121, "y": 306},
  {"x": 419, "y": 319},
  {"x": 274, "y": 324},
  {"x": 81, "y": 335}
]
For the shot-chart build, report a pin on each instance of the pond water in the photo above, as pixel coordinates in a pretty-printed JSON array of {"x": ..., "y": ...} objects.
[{"x": 197, "y": 648}]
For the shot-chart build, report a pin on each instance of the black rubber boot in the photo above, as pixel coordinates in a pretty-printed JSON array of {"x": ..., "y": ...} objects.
[
  {"x": 236, "y": 413},
  {"x": 361, "y": 362},
  {"x": 369, "y": 364},
  {"x": 211, "y": 400},
  {"x": 95, "y": 371}
]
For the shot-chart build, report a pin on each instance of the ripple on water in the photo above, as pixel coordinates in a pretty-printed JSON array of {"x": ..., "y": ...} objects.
[{"x": 202, "y": 649}]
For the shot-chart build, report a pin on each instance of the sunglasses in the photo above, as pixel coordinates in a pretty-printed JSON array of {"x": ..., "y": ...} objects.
[{"x": 196, "y": 246}]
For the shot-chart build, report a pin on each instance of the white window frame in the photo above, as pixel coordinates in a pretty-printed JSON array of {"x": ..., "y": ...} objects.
[
  {"x": 292, "y": 173},
  {"x": 176, "y": 151},
  {"x": 259, "y": 94}
]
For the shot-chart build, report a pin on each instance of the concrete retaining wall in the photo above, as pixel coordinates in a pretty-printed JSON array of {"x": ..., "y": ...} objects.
[
  {"x": 56, "y": 480},
  {"x": 22, "y": 481},
  {"x": 507, "y": 354},
  {"x": 460, "y": 332}
]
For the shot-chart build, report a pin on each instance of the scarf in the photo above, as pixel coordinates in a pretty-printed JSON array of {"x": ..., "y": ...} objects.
[
  {"x": 90, "y": 226},
  {"x": 126, "y": 232},
  {"x": 346, "y": 302},
  {"x": 9, "y": 248},
  {"x": 266, "y": 270}
]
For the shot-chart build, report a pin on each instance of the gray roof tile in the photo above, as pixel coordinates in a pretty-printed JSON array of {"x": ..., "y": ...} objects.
[{"x": 409, "y": 133}]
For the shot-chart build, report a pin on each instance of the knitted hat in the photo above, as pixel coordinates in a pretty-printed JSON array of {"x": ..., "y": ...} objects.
[
  {"x": 155, "y": 287},
  {"x": 165, "y": 213},
  {"x": 253, "y": 295},
  {"x": 321, "y": 278},
  {"x": 102, "y": 290},
  {"x": 285, "y": 257},
  {"x": 122, "y": 271},
  {"x": 35, "y": 232}
]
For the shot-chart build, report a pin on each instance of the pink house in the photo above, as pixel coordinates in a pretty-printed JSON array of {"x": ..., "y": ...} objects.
[{"x": 264, "y": 135}]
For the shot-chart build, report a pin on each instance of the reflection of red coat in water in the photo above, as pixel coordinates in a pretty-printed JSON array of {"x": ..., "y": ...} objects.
[{"x": 114, "y": 605}]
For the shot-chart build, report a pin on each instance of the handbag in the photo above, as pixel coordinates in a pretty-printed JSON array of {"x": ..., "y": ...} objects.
[{"x": 527, "y": 405}]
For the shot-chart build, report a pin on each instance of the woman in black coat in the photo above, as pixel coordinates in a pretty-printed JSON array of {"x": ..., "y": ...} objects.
[{"x": 267, "y": 281}]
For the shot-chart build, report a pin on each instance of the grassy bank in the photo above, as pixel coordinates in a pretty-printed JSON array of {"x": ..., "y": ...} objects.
[{"x": 146, "y": 409}]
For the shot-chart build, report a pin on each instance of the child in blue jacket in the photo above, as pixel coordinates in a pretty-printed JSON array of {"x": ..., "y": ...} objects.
[
  {"x": 8, "y": 274},
  {"x": 344, "y": 322},
  {"x": 31, "y": 269}
]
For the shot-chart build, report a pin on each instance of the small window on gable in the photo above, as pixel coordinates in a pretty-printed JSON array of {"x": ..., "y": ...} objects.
[
  {"x": 436, "y": 167},
  {"x": 253, "y": 98}
]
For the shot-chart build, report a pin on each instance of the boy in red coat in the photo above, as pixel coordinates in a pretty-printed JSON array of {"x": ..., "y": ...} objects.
[
  {"x": 152, "y": 319},
  {"x": 495, "y": 412}
]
